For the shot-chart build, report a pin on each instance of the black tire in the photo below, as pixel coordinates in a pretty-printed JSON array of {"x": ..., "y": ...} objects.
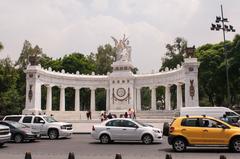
[
  {"x": 1, "y": 144},
  {"x": 166, "y": 129},
  {"x": 179, "y": 145},
  {"x": 18, "y": 138},
  {"x": 105, "y": 139},
  {"x": 147, "y": 139},
  {"x": 235, "y": 145},
  {"x": 53, "y": 134}
]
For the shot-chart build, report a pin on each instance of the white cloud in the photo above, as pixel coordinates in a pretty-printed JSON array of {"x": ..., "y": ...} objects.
[
  {"x": 100, "y": 5},
  {"x": 64, "y": 26}
]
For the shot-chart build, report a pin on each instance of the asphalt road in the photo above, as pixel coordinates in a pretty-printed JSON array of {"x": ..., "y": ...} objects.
[{"x": 85, "y": 147}]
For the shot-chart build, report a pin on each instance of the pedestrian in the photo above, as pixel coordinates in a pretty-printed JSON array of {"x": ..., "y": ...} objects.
[
  {"x": 126, "y": 115},
  {"x": 102, "y": 117},
  {"x": 129, "y": 113},
  {"x": 90, "y": 114},
  {"x": 134, "y": 114},
  {"x": 109, "y": 116},
  {"x": 87, "y": 114},
  {"x": 224, "y": 118}
]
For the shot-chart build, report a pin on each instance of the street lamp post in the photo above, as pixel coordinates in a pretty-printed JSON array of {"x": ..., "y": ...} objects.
[{"x": 221, "y": 25}]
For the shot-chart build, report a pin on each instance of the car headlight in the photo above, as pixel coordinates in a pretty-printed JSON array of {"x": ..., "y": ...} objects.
[
  {"x": 63, "y": 127},
  {"x": 156, "y": 131}
]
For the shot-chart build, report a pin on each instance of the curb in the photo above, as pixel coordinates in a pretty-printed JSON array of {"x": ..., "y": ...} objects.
[{"x": 81, "y": 133}]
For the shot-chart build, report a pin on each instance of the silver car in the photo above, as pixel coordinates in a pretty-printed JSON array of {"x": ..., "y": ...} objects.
[
  {"x": 124, "y": 129},
  {"x": 4, "y": 134}
]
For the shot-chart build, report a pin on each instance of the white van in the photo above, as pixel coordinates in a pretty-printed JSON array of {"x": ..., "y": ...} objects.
[{"x": 216, "y": 112}]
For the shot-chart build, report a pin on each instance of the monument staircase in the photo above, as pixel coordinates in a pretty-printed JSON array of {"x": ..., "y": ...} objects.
[
  {"x": 156, "y": 115},
  {"x": 148, "y": 116}
]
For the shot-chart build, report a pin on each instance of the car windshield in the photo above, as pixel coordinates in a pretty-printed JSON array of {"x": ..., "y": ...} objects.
[
  {"x": 18, "y": 125},
  {"x": 49, "y": 119},
  {"x": 145, "y": 125}
]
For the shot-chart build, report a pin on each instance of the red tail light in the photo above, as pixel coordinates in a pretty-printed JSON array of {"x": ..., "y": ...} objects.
[
  {"x": 93, "y": 128},
  {"x": 171, "y": 129}
]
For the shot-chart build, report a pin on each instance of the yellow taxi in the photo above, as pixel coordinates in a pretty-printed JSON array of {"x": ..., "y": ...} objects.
[{"x": 201, "y": 131}]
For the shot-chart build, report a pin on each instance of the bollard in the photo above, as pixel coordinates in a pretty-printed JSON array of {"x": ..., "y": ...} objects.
[
  {"x": 28, "y": 155},
  {"x": 168, "y": 156},
  {"x": 71, "y": 155},
  {"x": 223, "y": 157},
  {"x": 118, "y": 156}
]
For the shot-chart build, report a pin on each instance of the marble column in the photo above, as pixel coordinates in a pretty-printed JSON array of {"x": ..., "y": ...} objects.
[
  {"x": 179, "y": 96},
  {"x": 62, "y": 98},
  {"x": 92, "y": 105},
  {"x": 139, "y": 105},
  {"x": 49, "y": 98},
  {"x": 107, "y": 99},
  {"x": 77, "y": 99},
  {"x": 134, "y": 99},
  {"x": 153, "y": 98},
  {"x": 167, "y": 98}
]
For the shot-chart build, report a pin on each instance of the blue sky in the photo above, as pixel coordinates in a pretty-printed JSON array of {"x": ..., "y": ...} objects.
[{"x": 64, "y": 26}]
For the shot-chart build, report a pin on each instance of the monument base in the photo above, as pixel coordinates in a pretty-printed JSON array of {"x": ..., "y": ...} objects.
[{"x": 31, "y": 111}]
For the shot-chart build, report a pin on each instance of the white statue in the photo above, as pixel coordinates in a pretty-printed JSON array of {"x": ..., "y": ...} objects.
[{"x": 123, "y": 49}]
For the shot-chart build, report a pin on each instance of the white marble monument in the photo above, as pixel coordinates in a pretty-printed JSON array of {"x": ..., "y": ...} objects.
[{"x": 122, "y": 86}]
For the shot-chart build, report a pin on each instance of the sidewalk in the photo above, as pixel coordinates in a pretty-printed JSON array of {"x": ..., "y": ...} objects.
[{"x": 85, "y": 126}]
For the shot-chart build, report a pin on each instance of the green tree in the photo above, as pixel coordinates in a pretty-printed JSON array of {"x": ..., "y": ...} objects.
[
  {"x": 105, "y": 56},
  {"x": 27, "y": 51},
  {"x": 10, "y": 97},
  {"x": 175, "y": 54},
  {"x": 1, "y": 46}
]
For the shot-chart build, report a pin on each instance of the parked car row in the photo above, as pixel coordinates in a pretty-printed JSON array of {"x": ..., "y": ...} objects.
[{"x": 19, "y": 128}]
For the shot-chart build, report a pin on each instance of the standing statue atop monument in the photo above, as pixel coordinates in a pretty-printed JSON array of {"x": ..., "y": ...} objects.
[{"x": 123, "y": 49}]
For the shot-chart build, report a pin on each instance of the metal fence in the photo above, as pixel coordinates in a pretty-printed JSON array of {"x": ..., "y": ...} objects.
[{"x": 71, "y": 155}]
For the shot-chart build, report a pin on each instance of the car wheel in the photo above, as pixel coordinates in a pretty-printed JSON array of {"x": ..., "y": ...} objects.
[
  {"x": 18, "y": 138},
  {"x": 179, "y": 145},
  {"x": 1, "y": 144},
  {"x": 235, "y": 145},
  {"x": 53, "y": 134},
  {"x": 105, "y": 139},
  {"x": 166, "y": 129},
  {"x": 147, "y": 139}
]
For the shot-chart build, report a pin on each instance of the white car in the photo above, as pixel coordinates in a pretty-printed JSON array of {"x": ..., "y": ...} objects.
[
  {"x": 4, "y": 134},
  {"x": 46, "y": 125},
  {"x": 125, "y": 129}
]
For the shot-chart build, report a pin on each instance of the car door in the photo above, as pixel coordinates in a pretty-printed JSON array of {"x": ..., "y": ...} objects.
[
  {"x": 190, "y": 128},
  {"x": 114, "y": 128},
  {"x": 27, "y": 120},
  {"x": 130, "y": 130},
  {"x": 215, "y": 132},
  {"x": 38, "y": 124}
]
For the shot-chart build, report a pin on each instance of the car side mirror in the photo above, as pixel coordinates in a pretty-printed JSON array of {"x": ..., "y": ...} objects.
[{"x": 135, "y": 126}]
